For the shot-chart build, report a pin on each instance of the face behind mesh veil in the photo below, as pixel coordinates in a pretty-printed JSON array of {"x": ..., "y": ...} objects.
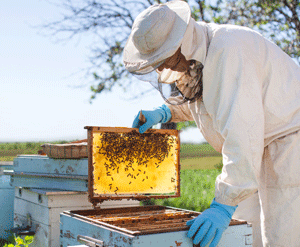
[{"x": 170, "y": 83}]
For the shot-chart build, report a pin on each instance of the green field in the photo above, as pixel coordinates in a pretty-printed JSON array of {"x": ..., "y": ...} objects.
[
  {"x": 197, "y": 150},
  {"x": 200, "y": 163},
  {"x": 11, "y": 149},
  {"x": 199, "y": 156}
]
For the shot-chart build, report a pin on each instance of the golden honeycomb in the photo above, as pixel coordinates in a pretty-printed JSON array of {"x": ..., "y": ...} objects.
[{"x": 129, "y": 162}]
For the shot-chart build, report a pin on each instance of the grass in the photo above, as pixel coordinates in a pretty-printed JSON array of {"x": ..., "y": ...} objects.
[
  {"x": 200, "y": 163},
  {"x": 8, "y": 151},
  {"x": 7, "y": 158},
  {"x": 197, "y": 189},
  {"x": 197, "y": 150}
]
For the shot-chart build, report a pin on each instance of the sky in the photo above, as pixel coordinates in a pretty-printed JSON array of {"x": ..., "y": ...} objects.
[{"x": 44, "y": 94}]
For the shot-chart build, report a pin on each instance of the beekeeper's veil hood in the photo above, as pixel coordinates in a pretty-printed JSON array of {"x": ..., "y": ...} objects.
[{"x": 158, "y": 32}]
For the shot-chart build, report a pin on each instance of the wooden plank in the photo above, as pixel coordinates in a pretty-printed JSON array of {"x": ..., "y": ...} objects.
[
  {"x": 54, "y": 192},
  {"x": 155, "y": 223},
  {"x": 46, "y": 175},
  {"x": 126, "y": 130},
  {"x": 96, "y": 212},
  {"x": 31, "y": 196},
  {"x": 90, "y": 167},
  {"x": 46, "y": 209},
  {"x": 160, "y": 226},
  {"x": 7, "y": 210},
  {"x": 66, "y": 151},
  {"x": 44, "y": 164},
  {"x": 148, "y": 218},
  {"x": 42, "y": 232},
  {"x": 5, "y": 182},
  {"x": 71, "y": 228},
  {"x": 131, "y": 214},
  {"x": 38, "y": 213},
  {"x": 151, "y": 227},
  {"x": 49, "y": 183},
  {"x": 70, "y": 201},
  {"x": 46, "y": 218}
]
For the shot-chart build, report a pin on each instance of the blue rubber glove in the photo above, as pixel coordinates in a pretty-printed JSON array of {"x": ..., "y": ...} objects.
[
  {"x": 210, "y": 225},
  {"x": 161, "y": 114}
]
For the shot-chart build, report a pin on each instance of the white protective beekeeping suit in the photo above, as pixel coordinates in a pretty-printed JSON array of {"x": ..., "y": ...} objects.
[{"x": 251, "y": 114}]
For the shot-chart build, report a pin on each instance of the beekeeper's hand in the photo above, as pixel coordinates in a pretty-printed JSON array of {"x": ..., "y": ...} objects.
[
  {"x": 210, "y": 225},
  {"x": 161, "y": 114}
]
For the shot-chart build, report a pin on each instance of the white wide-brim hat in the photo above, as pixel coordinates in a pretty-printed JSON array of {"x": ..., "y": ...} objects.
[{"x": 156, "y": 34}]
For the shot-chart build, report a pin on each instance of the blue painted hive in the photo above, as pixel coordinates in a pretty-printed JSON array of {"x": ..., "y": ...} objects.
[
  {"x": 6, "y": 202},
  {"x": 40, "y": 171}
]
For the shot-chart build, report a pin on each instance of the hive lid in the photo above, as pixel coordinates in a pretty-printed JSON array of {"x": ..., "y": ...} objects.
[{"x": 124, "y": 164}]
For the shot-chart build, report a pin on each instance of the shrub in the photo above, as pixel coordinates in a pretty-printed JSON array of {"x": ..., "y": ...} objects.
[{"x": 20, "y": 242}]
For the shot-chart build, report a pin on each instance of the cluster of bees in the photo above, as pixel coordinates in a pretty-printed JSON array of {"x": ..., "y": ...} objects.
[{"x": 133, "y": 152}]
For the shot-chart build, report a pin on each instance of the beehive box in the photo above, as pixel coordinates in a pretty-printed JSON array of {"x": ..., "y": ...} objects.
[
  {"x": 71, "y": 150},
  {"x": 124, "y": 164},
  {"x": 140, "y": 227},
  {"x": 40, "y": 171},
  {"x": 6, "y": 201},
  {"x": 43, "y": 208}
]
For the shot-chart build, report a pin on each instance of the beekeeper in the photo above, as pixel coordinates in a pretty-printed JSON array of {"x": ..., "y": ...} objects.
[{"x": 243, "y": 92}]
